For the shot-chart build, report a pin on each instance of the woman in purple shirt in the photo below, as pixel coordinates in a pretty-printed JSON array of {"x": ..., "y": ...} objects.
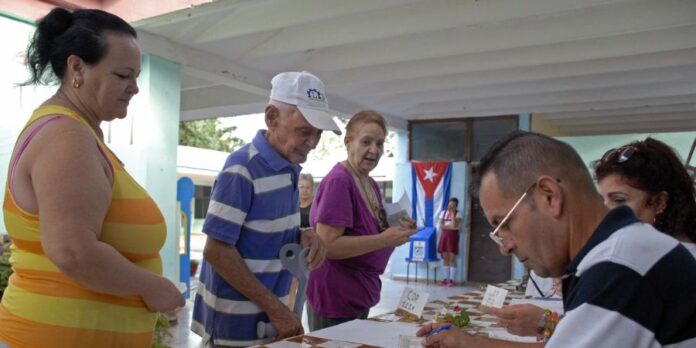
[{"x": 348, "y": 215}]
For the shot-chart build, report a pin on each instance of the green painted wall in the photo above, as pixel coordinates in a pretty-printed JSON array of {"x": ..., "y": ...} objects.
[{"x": 591, "y": 148}]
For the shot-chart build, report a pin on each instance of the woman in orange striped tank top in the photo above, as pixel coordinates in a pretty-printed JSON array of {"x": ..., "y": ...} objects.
[{"x": 86, "y": 237}]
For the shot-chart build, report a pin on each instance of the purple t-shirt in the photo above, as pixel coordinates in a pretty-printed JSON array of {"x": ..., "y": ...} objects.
[{"x": 346, "y": 288}]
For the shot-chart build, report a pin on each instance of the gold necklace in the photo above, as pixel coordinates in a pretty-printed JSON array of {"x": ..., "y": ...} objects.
[{"x": 369, "y": 195}]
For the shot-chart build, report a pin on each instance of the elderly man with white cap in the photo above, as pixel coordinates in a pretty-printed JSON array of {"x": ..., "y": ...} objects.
[{"x": 253, "y": 212}]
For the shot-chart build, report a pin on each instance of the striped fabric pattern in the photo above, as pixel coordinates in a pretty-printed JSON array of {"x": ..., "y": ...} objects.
[
  {"x": 255, "y": 207},
  {"x": 44, "y": 308},
  {"x": 630, "y": 286}
]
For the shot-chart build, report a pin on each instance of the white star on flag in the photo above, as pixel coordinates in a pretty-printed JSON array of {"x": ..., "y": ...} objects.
[{"x": 430, "y": 174}]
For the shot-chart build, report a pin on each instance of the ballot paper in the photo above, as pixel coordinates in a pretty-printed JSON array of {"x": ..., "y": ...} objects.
[
  {"x": 368, "y": 332},
  {"x": 494, "y": 297},
  {"x": 397, "y": 211},
  {"x": 410, "y": 341}
]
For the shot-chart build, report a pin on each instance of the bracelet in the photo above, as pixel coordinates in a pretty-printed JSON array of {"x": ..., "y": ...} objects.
[{"x": 547, "y": 324}]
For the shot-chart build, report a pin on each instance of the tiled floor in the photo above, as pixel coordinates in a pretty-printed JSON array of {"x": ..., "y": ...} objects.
[{"x": 391, "y": 292}]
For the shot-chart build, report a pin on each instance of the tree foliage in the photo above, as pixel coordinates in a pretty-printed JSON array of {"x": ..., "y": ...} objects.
[{"x": 209, "y": 134}]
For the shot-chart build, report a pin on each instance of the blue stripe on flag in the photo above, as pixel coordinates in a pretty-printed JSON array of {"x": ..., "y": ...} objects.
[
  {"x": 414, "y": 194},
  {"x": 446, "y": 187}
]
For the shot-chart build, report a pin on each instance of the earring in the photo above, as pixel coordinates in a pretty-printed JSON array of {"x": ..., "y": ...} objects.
[{"x": 75, "y": 84}]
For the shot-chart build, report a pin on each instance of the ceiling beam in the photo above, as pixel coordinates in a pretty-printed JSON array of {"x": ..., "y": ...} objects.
[
  {"x": 685, "y": 107},
  {"x": 511, "y": 75},
  {"x": 565, "y": 52},
  {"x": 261, "y": 16},
  {"x": 642, "y": 127},
  {"x": 492, "y": 110},
  {"x": 627, "y": 118},
  {"x": 608, "y": 80},
  {"x": 597, "y": 95},
  {"x": 430, "y": 16},
  {"x": 222, "y": 111},
  {"x": 607, "y": 22}
]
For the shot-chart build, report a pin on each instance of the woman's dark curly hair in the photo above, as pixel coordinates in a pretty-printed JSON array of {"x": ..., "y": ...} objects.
[
  {"x": 63, "y": 33},
  {"x": 654, "y": 167}
]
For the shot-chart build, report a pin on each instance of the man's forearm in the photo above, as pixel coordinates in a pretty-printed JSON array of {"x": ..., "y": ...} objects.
[{"x": 227, "y": 262}]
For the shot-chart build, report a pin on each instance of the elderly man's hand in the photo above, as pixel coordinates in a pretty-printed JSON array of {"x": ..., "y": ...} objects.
[
  {"x": 452, "y": 338},
  {"x": 287, "y": 324},
  {"x": 520, "y": 319},
  {"x": 317, "y": 249}
]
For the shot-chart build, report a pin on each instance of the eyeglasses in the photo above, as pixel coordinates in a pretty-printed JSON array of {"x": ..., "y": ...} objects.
[
  {"x": 624, "y": 153},
  {"x": 494, "y": 235}
]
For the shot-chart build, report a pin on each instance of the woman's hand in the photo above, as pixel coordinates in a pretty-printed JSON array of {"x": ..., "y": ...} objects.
[
  {"x": 395, "y": 236},
  {"x": 407, "y": 222},
  {"x": 163, "y": 296}
]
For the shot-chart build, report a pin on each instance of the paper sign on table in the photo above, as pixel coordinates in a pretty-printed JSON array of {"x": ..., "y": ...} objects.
[
  {"x": 413, "y": 301},
  {"x": 494, "y": 297}
]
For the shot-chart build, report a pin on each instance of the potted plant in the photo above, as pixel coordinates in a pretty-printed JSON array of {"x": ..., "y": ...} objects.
[{"x": 5, "y": 268}]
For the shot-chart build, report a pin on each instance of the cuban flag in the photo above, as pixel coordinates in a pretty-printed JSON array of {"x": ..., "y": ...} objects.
[{"x": 431, "y": 186}]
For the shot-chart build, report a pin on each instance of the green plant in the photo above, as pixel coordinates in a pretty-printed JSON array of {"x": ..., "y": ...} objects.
[
  {"x": 161, "y": 332},
  {"x": 5, "y": 267}
]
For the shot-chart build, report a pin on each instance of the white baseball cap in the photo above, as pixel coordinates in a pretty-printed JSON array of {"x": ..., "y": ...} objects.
[{"x": 305, "y": 91}]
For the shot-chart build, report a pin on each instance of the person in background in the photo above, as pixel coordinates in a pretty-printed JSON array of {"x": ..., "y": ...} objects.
[
  {"x": 349, "y": 216},
  {"x": 646, "y": 176},
  {"x": 253, "y": 213},
  {"x": 448, "y": 246},
  {"x": 540, "y": 197},
  {"x": 306, "y": 197},
  {"x": 306, "y": 187},
  {"x": 86, "y": 237}
]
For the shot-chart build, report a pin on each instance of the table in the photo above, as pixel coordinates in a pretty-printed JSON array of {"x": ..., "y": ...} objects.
[{"x": 469, "y": 301}]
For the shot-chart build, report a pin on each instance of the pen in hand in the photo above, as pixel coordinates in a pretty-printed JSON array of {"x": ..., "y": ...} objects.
[{"x": 440, "y": 329}]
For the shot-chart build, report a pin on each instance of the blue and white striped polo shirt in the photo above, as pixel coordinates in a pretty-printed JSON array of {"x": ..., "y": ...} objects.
[
  {"x": 630, "y": 286},
  {"x": 255, "y": 207}
]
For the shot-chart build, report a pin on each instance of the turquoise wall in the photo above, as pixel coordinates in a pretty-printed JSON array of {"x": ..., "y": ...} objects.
[
  {"x": 592, "y": 148},
  {"x": 17, "y": 102},
  {"x": 146, "y": 141}
]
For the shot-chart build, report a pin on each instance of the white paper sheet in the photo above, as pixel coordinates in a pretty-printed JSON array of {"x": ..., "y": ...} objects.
[
  {"x": 368, "y": 332},
  {"x": 494, "y": 296},
  {"x": 501, "y": 334}
]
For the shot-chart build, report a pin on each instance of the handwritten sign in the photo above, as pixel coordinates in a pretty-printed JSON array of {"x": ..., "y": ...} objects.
[
  {"x": 494, "y": 296},
  {"x": 413, "y": 301}
]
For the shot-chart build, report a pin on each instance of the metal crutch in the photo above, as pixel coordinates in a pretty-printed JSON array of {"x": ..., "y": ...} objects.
[{"x": 293, "y": 258}]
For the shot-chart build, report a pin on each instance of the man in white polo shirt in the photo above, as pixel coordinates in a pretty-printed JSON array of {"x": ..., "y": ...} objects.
[{"x": 624, "y": 283}]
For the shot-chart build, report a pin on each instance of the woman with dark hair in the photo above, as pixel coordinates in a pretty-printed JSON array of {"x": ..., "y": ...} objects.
[
  {"x": 86, "y": 237},
  {"x": 650, "y": 178}
]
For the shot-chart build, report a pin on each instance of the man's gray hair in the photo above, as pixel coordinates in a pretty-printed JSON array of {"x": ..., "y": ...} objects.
[{"x": 521, "y": 157}]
